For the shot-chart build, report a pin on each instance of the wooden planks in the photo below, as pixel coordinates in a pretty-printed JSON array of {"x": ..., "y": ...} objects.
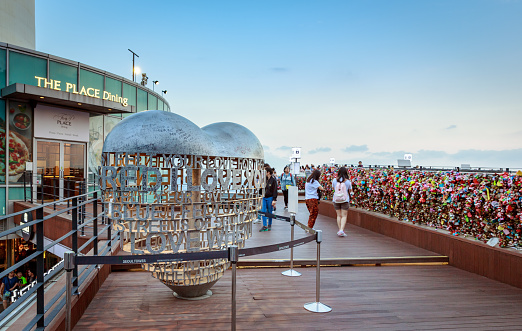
[
  {"x": 374, "y": 298},
  {"x": 368, "y": 298}
]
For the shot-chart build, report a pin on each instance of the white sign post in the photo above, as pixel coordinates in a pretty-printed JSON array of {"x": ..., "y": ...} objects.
[{"x": 292, "y": 199}]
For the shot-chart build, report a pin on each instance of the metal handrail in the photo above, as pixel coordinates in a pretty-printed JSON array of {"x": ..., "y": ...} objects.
[{"x": 80, "y": 219}]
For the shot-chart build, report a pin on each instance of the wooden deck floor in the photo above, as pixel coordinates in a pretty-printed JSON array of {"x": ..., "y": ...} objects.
[
  {"x": 369, "y": 298},
  {"x": 413, "y": 297}
]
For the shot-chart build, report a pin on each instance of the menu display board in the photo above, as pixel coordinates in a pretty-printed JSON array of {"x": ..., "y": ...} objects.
[{"x": 20, "y": 142}]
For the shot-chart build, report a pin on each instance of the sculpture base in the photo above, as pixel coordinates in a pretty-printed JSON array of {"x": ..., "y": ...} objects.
[
  {"x": 192, "y": 291},
  {"x": 204, "y": 296}
]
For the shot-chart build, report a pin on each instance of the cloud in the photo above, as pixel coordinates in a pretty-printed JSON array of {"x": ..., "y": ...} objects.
[
  {"x": 284, "y": 148},
  {"x": 511, "y": 158},
  {"x": 266, "y": 148},
  {"x": 279, "y": 69},
  {"x": 356, "y": 148},
  {"x": 320, "y": 150},
  {"x": 453, "y": 126}
]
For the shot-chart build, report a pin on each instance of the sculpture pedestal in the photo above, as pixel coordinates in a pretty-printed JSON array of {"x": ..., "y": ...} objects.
[{"x": 192, "y": 292}]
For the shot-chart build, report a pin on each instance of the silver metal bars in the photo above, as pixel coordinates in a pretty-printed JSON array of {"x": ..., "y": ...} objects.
[
  {"x": 317, "y": 306},
  {"x": 69, "y": 267},
  {"x": 291, "y": 272}
]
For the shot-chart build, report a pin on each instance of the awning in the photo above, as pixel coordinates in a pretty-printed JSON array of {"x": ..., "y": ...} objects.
[{"x": 26, "y": 92}]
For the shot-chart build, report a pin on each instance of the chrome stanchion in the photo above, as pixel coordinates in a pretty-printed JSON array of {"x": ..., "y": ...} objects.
[
  {"x": 291, "y": 272},
  {"x": 69, "y": 267},
  {"x": 317, "y": 306},
  {"x": 233, "y": 256}
]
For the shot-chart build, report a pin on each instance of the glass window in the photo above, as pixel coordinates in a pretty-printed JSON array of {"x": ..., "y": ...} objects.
[
  {"x": 153, "y": 102},
  {"x": 129, "y": 92},
  {"x": 113, "y": 86},
  {"x": 17, "y": 193},
  {"x": 160, "y": 104},
  {"x": 2, "y": 142},
  {"x": 3, "y": 66},
  {"x": 65, "y": 74},
  {"x": 90, "y": 79},
  {"x": 2, "y": 201},
  {"x": 23, "y": 69},
  {"x": 95, "y": 142},
  {"x": 142, "y": 100},
  {"x": 110, "y": 123}
]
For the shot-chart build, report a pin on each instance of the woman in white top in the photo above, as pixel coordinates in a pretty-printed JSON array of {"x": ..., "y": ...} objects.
[
  {"x": 341, "y": 198},
  {"x": 311, "y": 196}
]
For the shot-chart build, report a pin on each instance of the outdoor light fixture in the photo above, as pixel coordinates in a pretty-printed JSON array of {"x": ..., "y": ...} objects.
[
  {"x": 164, "y": 91},
  {"x": 155, "y": 82},
  {"x": 133, "y": 55}
]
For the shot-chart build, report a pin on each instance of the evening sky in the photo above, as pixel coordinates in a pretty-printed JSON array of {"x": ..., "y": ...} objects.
[{"x": 353, "y": 80}]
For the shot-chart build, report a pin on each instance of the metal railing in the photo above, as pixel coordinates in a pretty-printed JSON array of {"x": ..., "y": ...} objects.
[{"x": 82, "y": 219}]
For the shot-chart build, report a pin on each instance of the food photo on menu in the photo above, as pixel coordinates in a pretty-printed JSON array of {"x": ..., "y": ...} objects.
[{"x": 20, "y": 141}]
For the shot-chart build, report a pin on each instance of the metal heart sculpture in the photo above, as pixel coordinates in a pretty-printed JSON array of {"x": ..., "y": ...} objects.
[{"x": 172, "y": 187}]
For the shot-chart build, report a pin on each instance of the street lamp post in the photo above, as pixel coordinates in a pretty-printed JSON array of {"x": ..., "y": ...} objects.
[
  {"x": 164, "y": 91},
  {"x": 154, "y": 82},
  {"x": 133, "y": 56}
]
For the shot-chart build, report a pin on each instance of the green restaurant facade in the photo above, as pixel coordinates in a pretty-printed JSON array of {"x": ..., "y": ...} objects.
[{"x": 54, "y": 116}]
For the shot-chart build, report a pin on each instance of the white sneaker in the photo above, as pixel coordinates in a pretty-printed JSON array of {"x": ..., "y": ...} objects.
[
  {"x": 342, "y": 234},
  {"x": 257, "y": 221}
]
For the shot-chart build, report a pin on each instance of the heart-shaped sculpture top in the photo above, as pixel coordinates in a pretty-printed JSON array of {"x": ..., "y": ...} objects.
[
  {"x": 171, "y": 187},
  {"x": 157, "y": 131}
]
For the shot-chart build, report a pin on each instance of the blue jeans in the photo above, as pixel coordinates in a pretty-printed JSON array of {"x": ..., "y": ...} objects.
[{"x": 267, "y": 208}]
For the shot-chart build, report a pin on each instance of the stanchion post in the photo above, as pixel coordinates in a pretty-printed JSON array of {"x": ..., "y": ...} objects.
[
  {"x": 317, "y": 306},
  {"x": 69, "y": 267},
  {"x": 233, "y": 256},
  {"x": 291, "y": 272}
]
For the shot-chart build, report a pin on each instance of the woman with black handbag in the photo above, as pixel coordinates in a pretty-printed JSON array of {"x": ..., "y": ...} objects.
[{"x": 312, "y": 187}]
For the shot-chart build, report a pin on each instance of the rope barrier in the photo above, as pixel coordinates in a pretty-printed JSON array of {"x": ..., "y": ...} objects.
[{"x": 177, "y": 257}]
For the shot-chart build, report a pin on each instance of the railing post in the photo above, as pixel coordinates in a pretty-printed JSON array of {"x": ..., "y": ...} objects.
[
  {"x": 31, "y": 185},
  {"x": 109, "y": 237},
  {"x": 40, "y": 299},
  {"x": 95, "y": 220},
  {"x": 291, "y": 272},
  {"x": 82, "y": 208},
  {"x": 69, "y": 267},
  {"x": 25, "y": 186},
  {"x": 54, "y": 192},
  {"x": 317, "y": 306},
  {"x": 42, "y": 186},
  {"x": 74, "y": 223},
  {"x": 233, "y": 256}
]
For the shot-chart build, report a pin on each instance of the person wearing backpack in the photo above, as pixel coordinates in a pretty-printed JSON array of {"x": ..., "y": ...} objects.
[
  {"x": 286, "y": 180},
  {"x": 341, "y": 198}
]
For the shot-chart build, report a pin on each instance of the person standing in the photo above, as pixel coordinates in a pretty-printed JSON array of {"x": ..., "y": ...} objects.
[
  {"x": 31, "y": 277},
  {"x": 287, "y": 180},
  {"x": 269, "y": 200},
  {"x": 341, "y": 199},
  {"x": 307, "y": 171},
  {"x": 9, "y": 284},
  {"x": 21, "y": 279},
  {"x": 311, "y": 196}
]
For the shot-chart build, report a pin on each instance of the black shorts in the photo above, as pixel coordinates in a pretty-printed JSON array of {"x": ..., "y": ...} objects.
[{"x": 342, "y": 206}]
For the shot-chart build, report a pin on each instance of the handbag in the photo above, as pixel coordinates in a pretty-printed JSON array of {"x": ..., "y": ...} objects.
[{"x": 319, "y": 194}]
